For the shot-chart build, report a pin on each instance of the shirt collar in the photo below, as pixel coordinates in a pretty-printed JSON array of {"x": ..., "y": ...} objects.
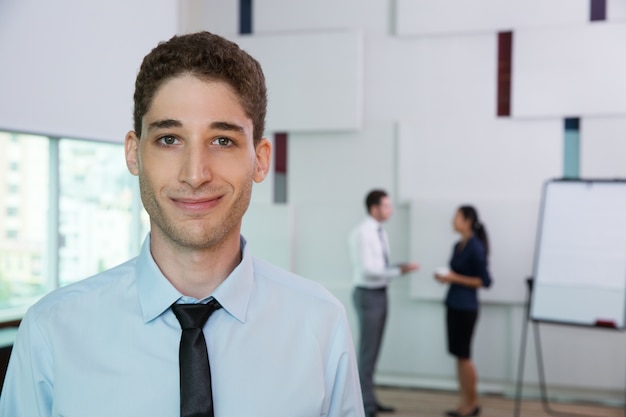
[
  {"x": 157, "y": 294},
  {"x": 372, "y": 221},
  {"x": 235, "y": 291}
]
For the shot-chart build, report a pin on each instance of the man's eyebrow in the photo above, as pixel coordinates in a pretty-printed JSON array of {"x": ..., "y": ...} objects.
[
  {"x": 170, "y": 123},
  {"x": 164, "y": 124},
  {"x": 227, "y": 126}
]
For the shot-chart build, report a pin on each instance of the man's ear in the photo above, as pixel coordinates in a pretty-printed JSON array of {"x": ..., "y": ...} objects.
[
  {"x": 131, "y": 148},
  {"x": 263, "y": 159}
]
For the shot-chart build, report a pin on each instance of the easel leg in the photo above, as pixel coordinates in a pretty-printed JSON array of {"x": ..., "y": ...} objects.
[{"x": 520, "y": 368}]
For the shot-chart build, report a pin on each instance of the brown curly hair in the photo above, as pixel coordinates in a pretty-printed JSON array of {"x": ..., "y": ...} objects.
[{"x": 208, "y": 57}]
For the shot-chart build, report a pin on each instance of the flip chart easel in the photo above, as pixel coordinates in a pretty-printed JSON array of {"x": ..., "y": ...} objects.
[
  {"x": 580, "y": 264},
  {"x": 540, "y": 368}
]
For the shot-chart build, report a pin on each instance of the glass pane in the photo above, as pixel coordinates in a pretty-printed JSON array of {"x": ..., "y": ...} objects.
[
  {"x": 96, "y": 198},
  {"x": 23, "y": 218}
]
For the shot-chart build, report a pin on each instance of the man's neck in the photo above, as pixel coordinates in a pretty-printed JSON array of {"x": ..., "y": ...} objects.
[
  {"x": 375, "y": 219},
  {"x": 196, "y": 272}
]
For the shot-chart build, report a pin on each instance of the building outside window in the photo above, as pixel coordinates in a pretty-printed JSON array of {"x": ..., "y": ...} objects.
[{"x": 68, "y": 209}]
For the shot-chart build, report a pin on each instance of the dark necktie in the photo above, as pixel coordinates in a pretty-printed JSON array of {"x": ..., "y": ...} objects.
[
  {"x": 196, "y": 397},
  {"x": 383, "y": 244}
]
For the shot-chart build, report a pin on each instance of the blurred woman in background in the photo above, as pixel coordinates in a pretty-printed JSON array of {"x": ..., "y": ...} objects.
[{"x": 468, "y": 272}]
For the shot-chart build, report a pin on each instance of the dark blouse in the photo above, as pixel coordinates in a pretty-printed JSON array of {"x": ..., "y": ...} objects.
[{"x": 471, "y": 261}]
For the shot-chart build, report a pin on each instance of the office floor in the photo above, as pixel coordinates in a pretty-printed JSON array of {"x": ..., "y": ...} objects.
[{"x": 423, "y": 403}]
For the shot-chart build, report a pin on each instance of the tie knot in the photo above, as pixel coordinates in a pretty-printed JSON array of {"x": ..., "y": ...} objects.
[{"x": 194, "y": 316}]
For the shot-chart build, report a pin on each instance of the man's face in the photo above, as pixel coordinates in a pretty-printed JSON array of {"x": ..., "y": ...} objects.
[
  {"x": 383, "y": 211},
  {"x": 196, "y": 162}
]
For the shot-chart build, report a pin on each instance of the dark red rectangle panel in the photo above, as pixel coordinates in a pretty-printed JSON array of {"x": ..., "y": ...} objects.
[
  {"x": 505, "y": 60},
  {"x": 280, "y": 153}
]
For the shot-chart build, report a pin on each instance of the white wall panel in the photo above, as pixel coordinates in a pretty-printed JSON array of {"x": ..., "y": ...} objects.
[
  {"x": 434, "y": 80},
  {"x": 415, "y": 346},
  {"x": 314, "y": 81},
  {"x": 616, "y": 10},
  {"x": 321, "y": 242},
  {"x": 464, "y": 159},
  {"x": 569, "y": 71},
  {"x": 272, "y": 16},
  {"x": 603, "y": 147},
  {"x": 425, "y": 17},
  {"x": 341, "y": 167},
  {"x": 269, "y": 231},
  {"x": 217, "y": 16},
  {"x": 69, "y": 67}
]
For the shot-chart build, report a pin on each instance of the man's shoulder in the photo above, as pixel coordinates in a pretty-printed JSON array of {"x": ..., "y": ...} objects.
[
  {"x": 84, "y": 291},
  {"x": 298, "y": 288},
  {"x": 365, "y": 226}
]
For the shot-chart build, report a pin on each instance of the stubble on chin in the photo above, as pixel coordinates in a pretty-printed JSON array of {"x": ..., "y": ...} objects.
[{"x": 195, "y": 233}]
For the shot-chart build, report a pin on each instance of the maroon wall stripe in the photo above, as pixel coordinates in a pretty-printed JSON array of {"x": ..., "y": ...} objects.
[
  {"x": 280, "y": 153},
  {"x": 505, "y": 58}
]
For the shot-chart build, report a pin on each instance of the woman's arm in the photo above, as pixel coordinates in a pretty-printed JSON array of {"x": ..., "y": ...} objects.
[{"x": 454, "y": 278}]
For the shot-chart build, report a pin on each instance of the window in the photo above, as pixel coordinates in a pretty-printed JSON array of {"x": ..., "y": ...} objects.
[
  {"x": 95, "y": 208},
  {"x": 82, "y": 209},
  {"x": 19, "y": 240}
]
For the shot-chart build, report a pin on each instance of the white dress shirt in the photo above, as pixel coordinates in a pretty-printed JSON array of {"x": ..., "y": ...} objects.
[
  {"x": 108, "y": 346},
  {"x": 367, "y": 252}
]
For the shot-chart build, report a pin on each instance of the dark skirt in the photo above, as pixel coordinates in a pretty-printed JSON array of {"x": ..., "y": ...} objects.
[{"x": 461, "y": 325}]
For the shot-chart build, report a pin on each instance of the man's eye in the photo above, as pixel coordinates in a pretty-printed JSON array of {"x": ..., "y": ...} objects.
[
  {"x": 168, "y": 140},
  {"x": 223, "y": 141}
]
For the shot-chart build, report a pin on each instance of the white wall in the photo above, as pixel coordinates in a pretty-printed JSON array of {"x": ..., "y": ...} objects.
[
  {"x": 603, "y": 144},
  {"x": 315, "y": 66},
  {"x": 443, "y": 17},
  {"x": 68, "y": 67},
  {"x": 571, "y": 70}
]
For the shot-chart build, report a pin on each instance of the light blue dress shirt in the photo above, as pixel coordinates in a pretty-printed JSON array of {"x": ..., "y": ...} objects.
[{"x": 108, "y": 346}]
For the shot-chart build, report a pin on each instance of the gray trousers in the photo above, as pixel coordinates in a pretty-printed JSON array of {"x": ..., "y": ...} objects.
[{"x": 371, "y": 309}]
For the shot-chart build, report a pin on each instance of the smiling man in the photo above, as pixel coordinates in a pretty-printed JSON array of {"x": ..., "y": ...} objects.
[{"x": 126, "y": 342}]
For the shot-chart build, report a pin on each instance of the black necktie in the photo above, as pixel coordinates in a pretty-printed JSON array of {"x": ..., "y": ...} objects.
[
  {"x": 196, "y": 398},
  {"x": 383, "y": 243}
]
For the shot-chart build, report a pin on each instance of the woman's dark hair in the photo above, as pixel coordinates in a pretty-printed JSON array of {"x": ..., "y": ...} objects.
[{"x": 470, "y": 213}]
